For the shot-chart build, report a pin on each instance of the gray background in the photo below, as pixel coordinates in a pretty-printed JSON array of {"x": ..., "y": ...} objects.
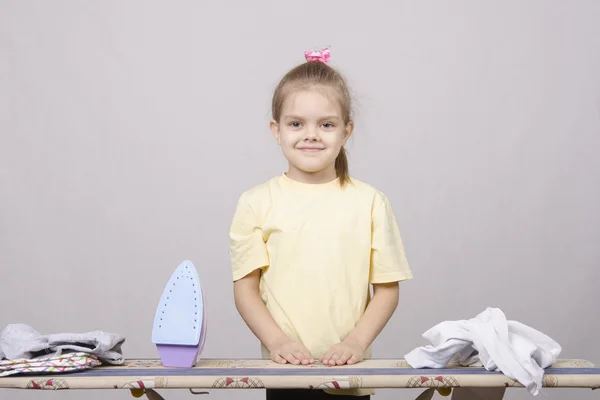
[{"x": 128, "y": 129}]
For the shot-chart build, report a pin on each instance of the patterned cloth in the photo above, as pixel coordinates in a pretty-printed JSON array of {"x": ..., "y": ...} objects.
[
  {"x": 50, "y": 364},
  {"x": 224, "y": 374}
]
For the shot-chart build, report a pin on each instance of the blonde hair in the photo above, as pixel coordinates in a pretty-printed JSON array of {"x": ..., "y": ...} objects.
[{"x": 317, "y": 74}]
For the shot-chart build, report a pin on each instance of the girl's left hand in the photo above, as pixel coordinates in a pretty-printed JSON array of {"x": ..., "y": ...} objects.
[{"x": 345, "y": 352}]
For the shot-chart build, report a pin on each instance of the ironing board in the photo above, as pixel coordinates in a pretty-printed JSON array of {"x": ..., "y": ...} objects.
[{"x": 149, "y": 376}]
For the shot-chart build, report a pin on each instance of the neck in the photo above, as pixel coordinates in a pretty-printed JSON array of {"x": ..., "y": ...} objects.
[{"x": 324, "y": 176}]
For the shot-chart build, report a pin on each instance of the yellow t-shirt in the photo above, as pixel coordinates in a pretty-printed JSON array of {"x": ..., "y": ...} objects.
[{"x": 319, "y": 247}]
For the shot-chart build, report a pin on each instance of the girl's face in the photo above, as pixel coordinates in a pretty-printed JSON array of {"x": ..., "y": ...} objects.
[{"x": 311, "y": 133}]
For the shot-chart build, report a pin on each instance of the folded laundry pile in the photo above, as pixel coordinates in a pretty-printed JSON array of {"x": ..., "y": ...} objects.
[
  {"x": 49, "y": 364},
  {"x": 23, "y": 349},
  {"x": 489, "y": 340}
]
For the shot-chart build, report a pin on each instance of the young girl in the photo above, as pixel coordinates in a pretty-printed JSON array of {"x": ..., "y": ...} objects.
[{"x": 306, "y": 245}]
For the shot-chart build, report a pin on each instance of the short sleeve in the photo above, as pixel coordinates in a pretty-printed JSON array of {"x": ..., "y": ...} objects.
[
  {"x": 388, "y": 260},
  {"x": 247, "y": 248}
]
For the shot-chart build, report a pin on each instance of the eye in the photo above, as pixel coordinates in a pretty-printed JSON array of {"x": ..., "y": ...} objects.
[
  {"x": 328, "y": 125},
  {"x": 295, "y": 124}
]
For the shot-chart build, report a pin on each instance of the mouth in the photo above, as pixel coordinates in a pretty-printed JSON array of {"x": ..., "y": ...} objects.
[{"x": 310, "y": 149}]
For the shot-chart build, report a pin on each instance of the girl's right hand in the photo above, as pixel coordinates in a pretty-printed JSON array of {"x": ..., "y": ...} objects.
[{"x": 291, "y": 351}]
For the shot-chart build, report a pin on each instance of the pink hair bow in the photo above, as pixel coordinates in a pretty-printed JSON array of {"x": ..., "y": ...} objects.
[{"x": 320, "y": 55}]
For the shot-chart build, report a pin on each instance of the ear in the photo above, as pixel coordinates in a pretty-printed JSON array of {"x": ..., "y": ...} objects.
[
  {"x": 348, "y": 130},
  {"x": 274, "y": 126}
]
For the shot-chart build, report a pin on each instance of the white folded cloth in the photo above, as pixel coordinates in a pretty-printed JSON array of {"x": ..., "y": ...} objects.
[
  {"x": 489, "y": 340},
  {"x": 21, "y": 341}
]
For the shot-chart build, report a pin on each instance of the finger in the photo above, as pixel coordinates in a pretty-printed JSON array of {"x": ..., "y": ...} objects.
[
  {"x": 326, "y": 357},
  {"x": 304, "y": 357},
  {"x": 334, "y": 357},
  {"x": 353, "y": 360},
  {"x": 344, "y": 357},
  {"x": 278, "y": 359},
  {"x": 300, "y": 356},
  {"x": 307, "y": 355},
  {"x": 291, "y": 359}
]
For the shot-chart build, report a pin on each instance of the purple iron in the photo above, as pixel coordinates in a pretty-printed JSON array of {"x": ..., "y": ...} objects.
[{"x": 179, "y": 330}]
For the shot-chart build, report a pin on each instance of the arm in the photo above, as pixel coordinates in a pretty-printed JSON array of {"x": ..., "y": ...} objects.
[
  {"x": 254, "y": 312},
  {"x": 248, "y": 254},
  {"x": 256, "y": 315},
  {"x": 376, "y": 316},
  {"x": 379, "y": 311}
]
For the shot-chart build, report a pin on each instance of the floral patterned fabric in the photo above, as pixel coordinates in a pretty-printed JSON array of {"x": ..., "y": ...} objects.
[
  {"x": 52, "y": 364},
  {"x": 260, "y": 374}
]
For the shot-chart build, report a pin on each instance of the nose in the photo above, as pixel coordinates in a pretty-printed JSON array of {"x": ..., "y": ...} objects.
[{"x": 311, "y": 134}]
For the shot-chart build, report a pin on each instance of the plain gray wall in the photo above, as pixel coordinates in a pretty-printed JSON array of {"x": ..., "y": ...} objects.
[{"x": 129, "y": 129}]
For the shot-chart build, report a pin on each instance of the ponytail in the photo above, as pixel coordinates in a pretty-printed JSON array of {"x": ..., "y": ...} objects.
[{"x": 341, "y": 167}]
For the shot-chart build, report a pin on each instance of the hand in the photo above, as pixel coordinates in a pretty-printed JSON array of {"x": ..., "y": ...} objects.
[
  {"x": 291, "y": 351},
  {"x": 345, "y": 352}
]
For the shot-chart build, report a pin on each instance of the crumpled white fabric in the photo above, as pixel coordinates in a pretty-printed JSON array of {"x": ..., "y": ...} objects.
[
  {"x": 489, "y": 340},
  {"x": 21, "y": 341}
]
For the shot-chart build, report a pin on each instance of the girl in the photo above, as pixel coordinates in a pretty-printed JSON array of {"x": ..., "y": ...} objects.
[{"x": 306, "y": 245}]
